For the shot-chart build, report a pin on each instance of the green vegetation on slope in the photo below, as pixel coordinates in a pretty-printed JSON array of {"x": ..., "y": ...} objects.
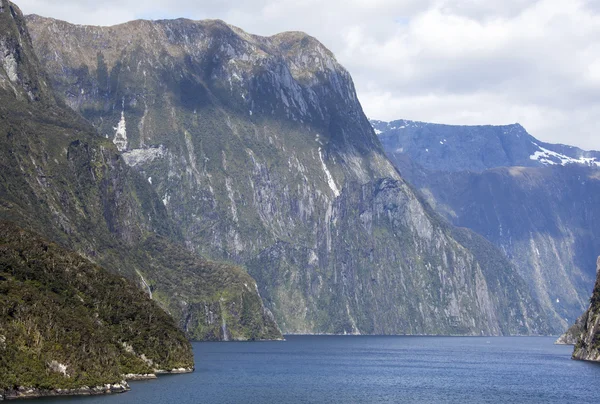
[
  {"x": 62, "y": 180},
  {"x": 212, "y": 300},
  {"x": 57, "y": 308}
]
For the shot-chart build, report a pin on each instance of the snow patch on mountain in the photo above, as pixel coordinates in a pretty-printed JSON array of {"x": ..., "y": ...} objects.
[
  {"x": 139, "y": 156},
  {"x": 549, "y": 157},
  {"x": 120, "y": 139}
]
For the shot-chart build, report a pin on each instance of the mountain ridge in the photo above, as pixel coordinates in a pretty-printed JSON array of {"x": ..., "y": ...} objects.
[{"x": 443, "y": 147}]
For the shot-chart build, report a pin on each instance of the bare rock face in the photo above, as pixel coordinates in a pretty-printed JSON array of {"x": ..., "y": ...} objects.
[
  {"x": 18, "y": 63},
  {"x": 261, "y": 155},
  {"x": 588, "y": 346}
]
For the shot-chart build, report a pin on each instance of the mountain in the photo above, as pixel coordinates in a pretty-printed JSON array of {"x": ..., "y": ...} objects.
[
  {"x": 262, "y": 156},
  {"x": 59, "y": 178},
  {"x": 475, "y": 148},
  {"x": 67, "y": 324},
  {"x": 543, "y": 216},
  {"x": 588, "y": 345}
]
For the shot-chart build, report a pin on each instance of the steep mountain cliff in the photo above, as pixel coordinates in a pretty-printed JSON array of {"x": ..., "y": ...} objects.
[
  {"x": 261, "y": 154},
  {"x": 588, "y": 345},
  {"x": 59, "y": 177},
  {"x": 66, "y": 323},
  {"x": 544, "y": 217}
]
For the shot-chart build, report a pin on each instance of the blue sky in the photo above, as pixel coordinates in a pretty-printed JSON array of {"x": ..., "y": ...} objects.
[{"x": 447, "y": 61}]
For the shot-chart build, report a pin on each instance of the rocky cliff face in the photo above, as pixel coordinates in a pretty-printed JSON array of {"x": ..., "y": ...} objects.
[
  {"x": 544, "y": 217},
  {"x": 588, "y": 345},
  {"x": 18, "y": 73},
  {"x": 261, "y": 154},
  {"x": 59, "y": 177}
]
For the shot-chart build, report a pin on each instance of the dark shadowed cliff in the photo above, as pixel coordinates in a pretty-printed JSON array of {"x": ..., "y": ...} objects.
[{"x": 588, "y": 346}]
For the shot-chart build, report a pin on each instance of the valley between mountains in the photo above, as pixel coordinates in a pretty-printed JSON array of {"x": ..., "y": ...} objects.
[{"x": 174, "y": 180}]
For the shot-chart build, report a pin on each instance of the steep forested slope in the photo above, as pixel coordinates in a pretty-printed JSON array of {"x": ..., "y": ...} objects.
[{"x": 66, "y": 323}]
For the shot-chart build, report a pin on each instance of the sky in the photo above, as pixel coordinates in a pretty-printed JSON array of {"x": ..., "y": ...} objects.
[{"x": 445, "y": 61}]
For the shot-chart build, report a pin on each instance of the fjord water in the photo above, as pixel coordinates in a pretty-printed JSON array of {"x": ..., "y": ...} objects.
[{"x": 374, "y": 369}]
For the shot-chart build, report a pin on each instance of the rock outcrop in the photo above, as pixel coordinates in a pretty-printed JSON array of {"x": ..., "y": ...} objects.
[
  {"x": 571, "y": 336},
  {"x": 588, "y": 346}
]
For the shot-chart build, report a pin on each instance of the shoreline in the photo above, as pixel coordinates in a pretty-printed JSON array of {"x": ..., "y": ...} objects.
[
  {"x": 24, "y": 393},
  {"x": 415, "y": 335}
]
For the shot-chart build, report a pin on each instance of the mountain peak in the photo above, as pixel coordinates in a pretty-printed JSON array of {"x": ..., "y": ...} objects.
[{"x": 300, "y": 41}]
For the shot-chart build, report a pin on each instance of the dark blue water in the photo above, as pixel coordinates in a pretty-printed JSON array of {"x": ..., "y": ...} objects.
[{"x": 364, "y": 369}]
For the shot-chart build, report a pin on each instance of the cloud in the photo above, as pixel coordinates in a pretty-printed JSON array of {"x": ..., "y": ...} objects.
[{"x": 450, "y": 61}]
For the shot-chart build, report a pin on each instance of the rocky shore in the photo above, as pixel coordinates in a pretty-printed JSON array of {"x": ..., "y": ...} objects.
[
  {"x": 587, "y": 347},
  {"x": 174, "y": 371},
  {"x": 137, "y": 377},
  {"x": 29, "y": 392},
  {"x": 571, "y": 336}
]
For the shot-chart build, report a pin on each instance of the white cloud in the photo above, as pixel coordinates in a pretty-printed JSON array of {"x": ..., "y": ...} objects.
[{"x": 450, "y": 61}]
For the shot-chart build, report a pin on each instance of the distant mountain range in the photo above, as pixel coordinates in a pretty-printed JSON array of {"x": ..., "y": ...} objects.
[
  {"x": 537, "y": 202},
  {"x": 475, "y": 148}
]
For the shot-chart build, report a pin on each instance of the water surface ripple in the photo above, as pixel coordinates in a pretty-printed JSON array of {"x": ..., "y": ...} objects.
[{"x": 374, "y": 369}]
